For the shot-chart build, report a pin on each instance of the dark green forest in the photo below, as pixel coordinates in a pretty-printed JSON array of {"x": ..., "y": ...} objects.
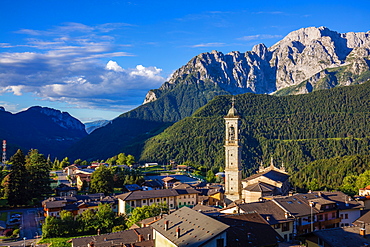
[{"x": 294, "y": 130}]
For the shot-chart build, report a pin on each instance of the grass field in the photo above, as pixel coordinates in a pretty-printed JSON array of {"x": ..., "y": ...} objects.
[{"x": 56, "y": 242}]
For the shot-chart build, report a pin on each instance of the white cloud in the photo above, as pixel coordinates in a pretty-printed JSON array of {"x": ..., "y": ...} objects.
[
  {"x": 59, "y": 65},
  {"x": 259, "y": 36},
  {"x": 209, "y": 45}
]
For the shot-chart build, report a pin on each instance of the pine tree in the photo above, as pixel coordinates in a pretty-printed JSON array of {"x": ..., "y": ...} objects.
[
  {"x": 39, "y": 170},
  {"x": 16, "y": 183}
]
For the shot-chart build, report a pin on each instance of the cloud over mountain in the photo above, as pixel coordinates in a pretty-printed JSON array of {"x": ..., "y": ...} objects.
[{"x": 67, "y": 64}]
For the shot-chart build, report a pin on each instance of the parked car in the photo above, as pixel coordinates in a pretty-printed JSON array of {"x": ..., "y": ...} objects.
[
  {"x": 15, "y": 216},
  {"x": 14, "y": 220}
]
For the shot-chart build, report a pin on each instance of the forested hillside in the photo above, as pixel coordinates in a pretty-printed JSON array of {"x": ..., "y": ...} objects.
[
  {"x": 128, "y": 132},
  {"x": 296, "y": 130}
]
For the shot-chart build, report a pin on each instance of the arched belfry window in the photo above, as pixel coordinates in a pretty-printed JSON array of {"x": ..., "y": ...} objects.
[{"x": 232, "y": 133}]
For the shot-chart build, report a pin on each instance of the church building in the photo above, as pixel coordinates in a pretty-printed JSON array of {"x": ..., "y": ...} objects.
[{"x": 269, "y": 181}]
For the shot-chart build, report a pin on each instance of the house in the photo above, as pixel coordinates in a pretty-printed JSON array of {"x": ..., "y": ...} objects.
[
  {"x": 152, "y": 185},
  {"x": 65, "y": 190},
  {"x": 82, "y": 179},
  {"x": 132, "y": 187},
  {"x": 363, "y": 220},
  {"x": 249, "y": 230},
  {"x": 212, "y": 195},
  {"x": 183, "y": 195},
  {"x": 76, "y": 204},
  {"x": 268, "y": 182},
  {"x": 347, "y": 209},
  {"x": 138, "y": 237},
  {"x": 339, "y": 237},
  {"x": 364, "y": 191},
  {"x": 148, "y": 221},
  {"x": 272, "y": 213},
  {"x": 186, "y": 227},
  {"x": 169, "y": 182}
]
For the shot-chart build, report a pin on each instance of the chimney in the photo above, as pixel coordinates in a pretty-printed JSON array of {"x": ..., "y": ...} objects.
[
  {"x": 363, "y": 232},
  {"x": 178, "y": 232},
  {"x": 149, "y": 236},
  {"x": 286, "y": 215},
  {"x": 98, "y": 232},
  {"x": 268, "y": 218},
  {"x": 166, "y": 225},
  {"x": 141, "y": 238}
]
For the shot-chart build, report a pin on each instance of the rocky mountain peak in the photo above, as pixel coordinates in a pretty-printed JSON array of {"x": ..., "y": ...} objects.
[
  {"x": 63, "y": 119},
  {"x": 298, "y": 60}
]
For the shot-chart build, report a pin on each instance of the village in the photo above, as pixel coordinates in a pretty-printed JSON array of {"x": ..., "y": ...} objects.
[{"x": 260, "y": 210}]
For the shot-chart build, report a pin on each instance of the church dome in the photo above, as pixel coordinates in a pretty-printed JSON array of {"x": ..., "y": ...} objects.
[{"x": 232, "y": 112}]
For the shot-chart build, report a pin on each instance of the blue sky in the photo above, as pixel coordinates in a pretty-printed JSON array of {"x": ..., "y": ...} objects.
[{"x": 97, "y": 58}]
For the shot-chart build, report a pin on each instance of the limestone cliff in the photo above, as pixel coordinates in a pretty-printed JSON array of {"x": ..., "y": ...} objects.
[{"x": 305, "y": 60}]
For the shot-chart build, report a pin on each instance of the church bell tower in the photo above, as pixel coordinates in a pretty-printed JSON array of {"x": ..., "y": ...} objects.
[{"x": 233, "y": 167}]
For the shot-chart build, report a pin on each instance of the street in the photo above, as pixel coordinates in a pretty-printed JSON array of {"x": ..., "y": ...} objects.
[{"x": 29, "y": 227}]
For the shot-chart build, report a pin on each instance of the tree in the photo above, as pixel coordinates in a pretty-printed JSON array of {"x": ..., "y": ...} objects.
[
  {"x": 363, "y": 180},
  {"x": 38, "y": 170},
  {"x": 349, "y": 184},
  {"x": 141, "y": 213},
  {"x": 102, "y": 180},
  {"x": 64, "y": 163},
  {"x": 105, "y": 218},
  {"x": 56, "y": 165},
  {"x": 51, "y": 227},
  {"x": 121, "y": 159},
  {"x": 130, "y": 160},
  {"x": 15, "y": 184},
  {"x": 211, "y": 178},
  {"x": 87, "y": 222}
]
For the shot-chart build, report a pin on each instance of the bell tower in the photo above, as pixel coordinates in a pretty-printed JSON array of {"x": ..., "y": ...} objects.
[{"x": 233, "y": 167}]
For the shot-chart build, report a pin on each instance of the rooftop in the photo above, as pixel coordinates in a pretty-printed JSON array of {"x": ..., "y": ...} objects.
[
  {"x": 195, "y": 228},
  {"x": 118, "y": 238}
]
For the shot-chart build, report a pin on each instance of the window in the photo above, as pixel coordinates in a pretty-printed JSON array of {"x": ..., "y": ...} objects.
[
  {"x": 277, "y": 226},
  {"x": 346, "y": 216},
  {"x": 319, "y": 217},
  {"x": 151, "y": 200},
  {"x": 179, "y": 203},
  {"x": 164, "y": 199},
  {"x": 171, "y": 205},
  {"x": 285, "y": 227},
  {"x": 132, "y": 203},
  {"x": 333, "y": 214},
  {"x": 144, "y": 201},
  {"x": 220, "y": 242},
  {"x": 158, "y": 200}
]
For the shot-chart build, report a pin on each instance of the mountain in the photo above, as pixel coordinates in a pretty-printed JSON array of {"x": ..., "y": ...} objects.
[
  {"x": 305, "y": 60},
  {"x": 91, "y": 126},
  {"x": 42, "y": 128},
  {"x": 294, "y": 130}
]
